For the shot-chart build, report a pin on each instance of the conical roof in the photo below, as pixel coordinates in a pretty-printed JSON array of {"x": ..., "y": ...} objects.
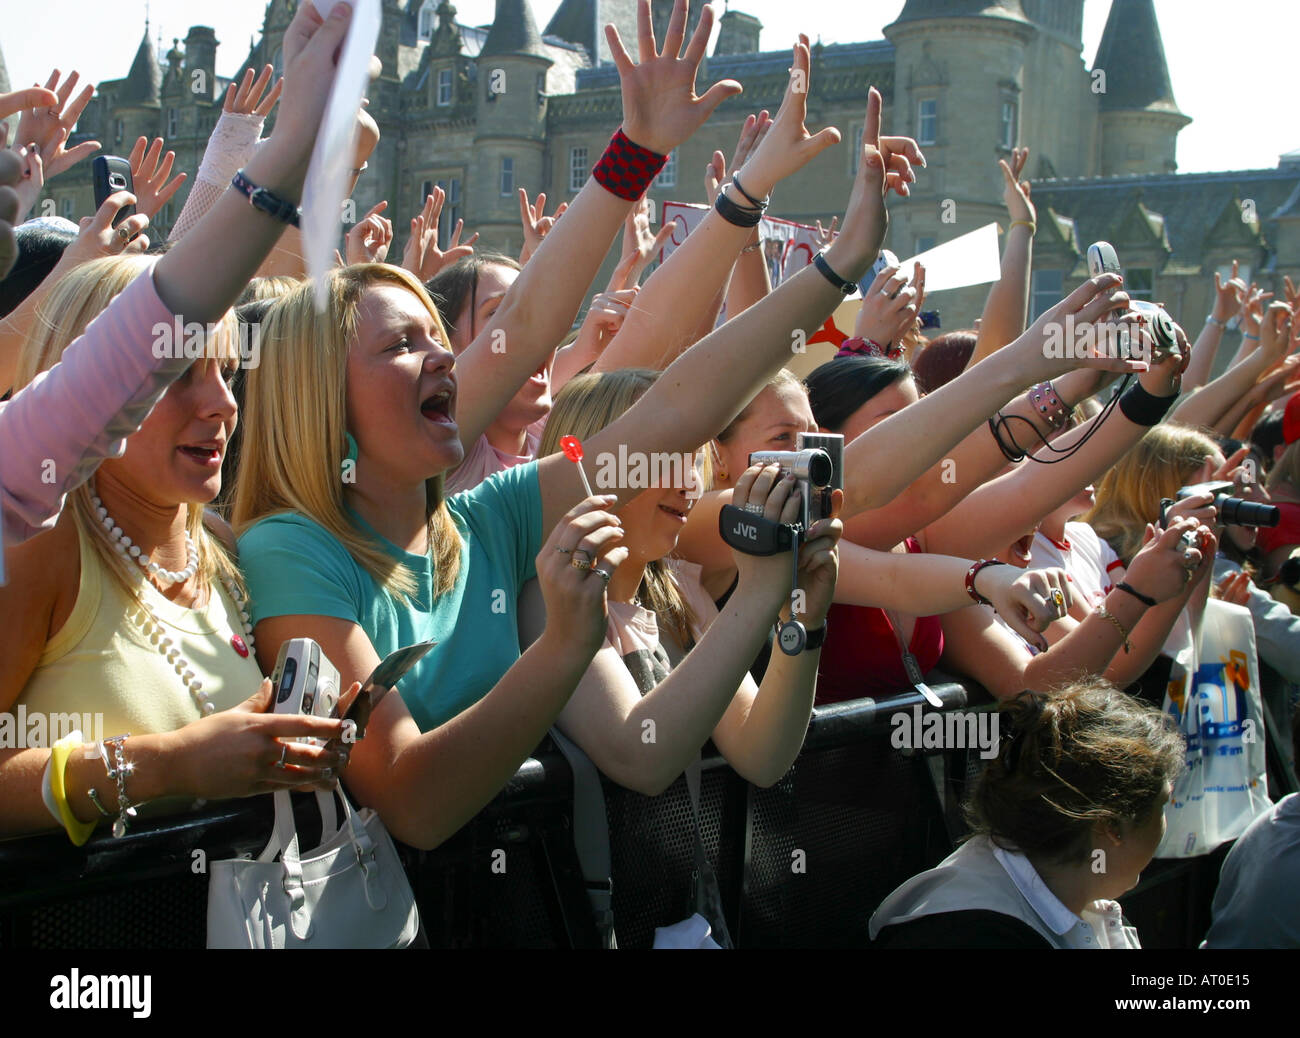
[
  {"x": 513, "y": 31},
  {"x": 1132, "y": 55},
  {"x": 143, "y": 84},
  {"x": 917, "y": 10}
]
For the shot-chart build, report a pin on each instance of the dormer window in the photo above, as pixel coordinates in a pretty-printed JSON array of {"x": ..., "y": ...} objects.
[
  {"x": 427, "y": 14},
  {"x": 444, "y": 87}
]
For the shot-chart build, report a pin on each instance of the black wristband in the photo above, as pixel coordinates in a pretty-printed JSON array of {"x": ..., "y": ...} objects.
[
  {"x": 995, "y": 427},
  {"x": 736, "y": 215},
  {"x": 1130, "y": 590},
  {"x": 757, "y": 203},
  {"x": 816, "y": 638},
  {"x": 262, "y": 199},
  {"x": 1141, "y": 408},
  {"x": 846, "y": 287}
]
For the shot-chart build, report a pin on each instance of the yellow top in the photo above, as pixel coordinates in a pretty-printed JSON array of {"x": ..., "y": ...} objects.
[{"x": 104, "y": 670}]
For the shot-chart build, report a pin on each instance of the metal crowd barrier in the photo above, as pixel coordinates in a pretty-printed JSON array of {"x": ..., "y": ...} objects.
[{"x": 802, "y": 864}]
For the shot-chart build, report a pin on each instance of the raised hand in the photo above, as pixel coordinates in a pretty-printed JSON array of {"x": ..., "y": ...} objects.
[
  {"x": 1235, "y": 588},
  {"x": 1292, "y": 293},
  {"x": 1275, "y": 333},
  {"x": 536, "y": 224},
  {"x": 99, "y": 238},
  {"x": 149, "y": 172},
  {"x": 31, "y": 181},
  {"x": 660, "y": 106},
  {"x": 1228, "y": 295},
  {"x": 11, "y": 171},
  {"x": 825, "y": 235},
  {"x": 1252, "y": 310},
  {"x": 888, "y": 308},
  {"x": 48, "y": 126},
  {"x": 1025, "y": 599},
  {"x": 422, "y": 257},
  {"x": 370, "y": 237},
  {"x": 17, "y": 100},
  {"x": 751, "y": 135},
  {"x": 640, "y": 245},
  {"x": 1015, "y": 193},
  {"x": 1072, "y": 334},
  {"x": 786, "y": 145},
  {"x": 574, "y": 594},
  {"x": 250, "y": 97},
  {"x": 1172, "y": 558}
]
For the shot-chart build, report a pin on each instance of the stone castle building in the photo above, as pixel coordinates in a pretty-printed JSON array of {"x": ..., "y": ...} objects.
[{"x": 483, "y": 110}]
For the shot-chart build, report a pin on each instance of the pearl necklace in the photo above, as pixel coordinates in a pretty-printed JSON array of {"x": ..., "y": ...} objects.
[
  {"x": 153, "y": 628},
  {"x": 122, "y": 544}
]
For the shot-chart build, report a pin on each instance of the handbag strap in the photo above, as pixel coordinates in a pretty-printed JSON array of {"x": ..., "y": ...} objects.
[
  {"x": 705, "y": 874},
  {"x": 591, "y": 836}
]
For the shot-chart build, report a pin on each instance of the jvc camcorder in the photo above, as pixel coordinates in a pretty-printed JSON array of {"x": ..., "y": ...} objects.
[
  {"x": 1102, "y": 259},
  {"x": 818, "y": 468},
  {"x": 1233, "y": 511}
]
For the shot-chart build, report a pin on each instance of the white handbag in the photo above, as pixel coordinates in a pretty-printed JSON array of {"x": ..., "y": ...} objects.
[{"x": 350, "y": 892}]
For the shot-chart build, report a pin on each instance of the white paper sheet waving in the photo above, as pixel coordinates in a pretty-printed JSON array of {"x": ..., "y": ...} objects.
[
  {"x": 971, "y": 259},
  {"x": 331, "y": 161}
]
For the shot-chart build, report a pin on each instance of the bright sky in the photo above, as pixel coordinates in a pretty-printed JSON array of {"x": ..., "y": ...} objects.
[{"x": 1232, "y": 69}]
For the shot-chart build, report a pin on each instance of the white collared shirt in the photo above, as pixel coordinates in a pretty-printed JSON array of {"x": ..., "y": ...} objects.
[{"x": 1100, "y": 926}]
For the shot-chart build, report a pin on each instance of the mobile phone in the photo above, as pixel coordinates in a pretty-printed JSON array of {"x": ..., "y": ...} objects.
[
  {"x": 113, "y": 174},
  {"x": 385, "y": 676}
]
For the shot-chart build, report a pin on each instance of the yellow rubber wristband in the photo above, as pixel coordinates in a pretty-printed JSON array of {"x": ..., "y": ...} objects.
[
  {"x": 1033, "y": 227},
  {"x": 78, "y": 831}
]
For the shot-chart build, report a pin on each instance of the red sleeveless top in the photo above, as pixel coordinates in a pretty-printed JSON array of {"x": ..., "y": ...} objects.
[{"x": 861, "y": 656}]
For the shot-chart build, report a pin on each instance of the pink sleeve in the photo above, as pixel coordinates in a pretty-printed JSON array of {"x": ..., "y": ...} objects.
[{"x": 56, "y": 431}]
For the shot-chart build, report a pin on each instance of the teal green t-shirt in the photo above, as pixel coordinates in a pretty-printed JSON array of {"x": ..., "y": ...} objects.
[{"x": 294, "y": 566}]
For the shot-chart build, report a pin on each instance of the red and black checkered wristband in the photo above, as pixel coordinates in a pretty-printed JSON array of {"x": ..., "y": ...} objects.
[{"x": 626, "y": 168}]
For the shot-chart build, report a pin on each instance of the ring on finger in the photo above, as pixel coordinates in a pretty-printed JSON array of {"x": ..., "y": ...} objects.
[
  {"x": 124, "y": 233},
  {"x": 582, "y": 559},
  {"x": 1058, "y": 600},
  {"x": 602, "y": 574},
  {"x": 283, "y": 753},
  {"x": 750, "y": 506},
  {"x": 565, "y": 551}
]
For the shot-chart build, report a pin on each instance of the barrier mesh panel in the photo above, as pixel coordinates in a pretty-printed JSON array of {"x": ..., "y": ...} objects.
[
  {"x": 652, "y": 858},
  {"x": 865, "y": 819},
  {"x": 161, "y": 913}
]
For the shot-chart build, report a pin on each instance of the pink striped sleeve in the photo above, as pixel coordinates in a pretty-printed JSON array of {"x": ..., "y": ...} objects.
[{"x": 55, "y": 432}]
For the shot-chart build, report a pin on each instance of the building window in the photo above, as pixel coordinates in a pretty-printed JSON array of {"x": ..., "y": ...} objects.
[
  {"x": 119, "y": 132},
  {"x": 426, "y": 189},
  {"x": 507, "y": 176},
  {"x": 173, "y": 123},
  {"x": 1244, "y": 270},
  {"x": 444, "y": 87},
  {"x": 1010, "y": 124},
  {"x": 578, "y": 169},
  {"x": 925, "y": 243},
  {"x": 1139, "y": 283},
  {"x": 541, "y": 88},
  {"x": 927, "y": 121},
  {"x": 450, "y": 209},
  {"x": 668, "y": 175},
  {"x": 66, "y": 206},
  {"x": 1047, "y": 290},
  {"x": 427, "y": 13}
]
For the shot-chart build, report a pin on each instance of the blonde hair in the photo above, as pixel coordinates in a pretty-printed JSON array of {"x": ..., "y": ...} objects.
[
  {"x": 296, "y": 437},
  {"x": 1129, "y": 495},
  {"x": 272, "y": 287},
  {"x": 62, "y": 316},
  {"x": 585, "y": 406}
]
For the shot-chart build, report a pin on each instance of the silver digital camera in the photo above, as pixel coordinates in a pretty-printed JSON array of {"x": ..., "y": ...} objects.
[
  {"x": 305, "y": 682},
  {"x": 1102, "y": 259}
]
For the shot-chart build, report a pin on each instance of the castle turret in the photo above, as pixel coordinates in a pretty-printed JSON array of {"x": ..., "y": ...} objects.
[
  {"x": 959, "y": 72},
  {"x": 137, "y": 101},
  {"x": 1139, "y": 118},
  {"x": 738, "y": 34},
  {"x": 509, "y": 137}
]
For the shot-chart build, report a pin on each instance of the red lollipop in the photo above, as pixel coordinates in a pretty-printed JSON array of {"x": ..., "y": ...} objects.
[{"x": 572, "y": 448}]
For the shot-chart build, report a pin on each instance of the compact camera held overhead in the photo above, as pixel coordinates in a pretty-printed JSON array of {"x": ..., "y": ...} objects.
[{"x": 1102, "y": 259}]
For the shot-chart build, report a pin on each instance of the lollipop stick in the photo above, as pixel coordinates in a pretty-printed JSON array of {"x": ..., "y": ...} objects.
[{"x": 585, "y": 485}]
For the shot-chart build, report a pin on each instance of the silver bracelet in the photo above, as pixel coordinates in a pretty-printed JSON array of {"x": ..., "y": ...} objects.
[
  {"x": 1211, "y": 319},
  {"x": 117, "y": 772}
]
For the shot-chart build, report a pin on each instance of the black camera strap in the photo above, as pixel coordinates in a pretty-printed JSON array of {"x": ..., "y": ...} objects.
[{"x": 755, "y": 534}]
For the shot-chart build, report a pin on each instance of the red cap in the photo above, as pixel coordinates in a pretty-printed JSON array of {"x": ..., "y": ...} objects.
[{"x": 1291, "y": 421}]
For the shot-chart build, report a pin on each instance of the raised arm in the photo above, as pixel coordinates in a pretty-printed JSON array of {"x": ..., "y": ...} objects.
[
  {"x": 660, "y": 110},
  {"x": 1228, "y": 297},
  {"x": 1007, "y": 310},
  {"x": 1208, "y": 406},
  {"x": 710, "y": 383},
  {"x": 1003, "y": 509},
  {"x": 110, "y": 379}
]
